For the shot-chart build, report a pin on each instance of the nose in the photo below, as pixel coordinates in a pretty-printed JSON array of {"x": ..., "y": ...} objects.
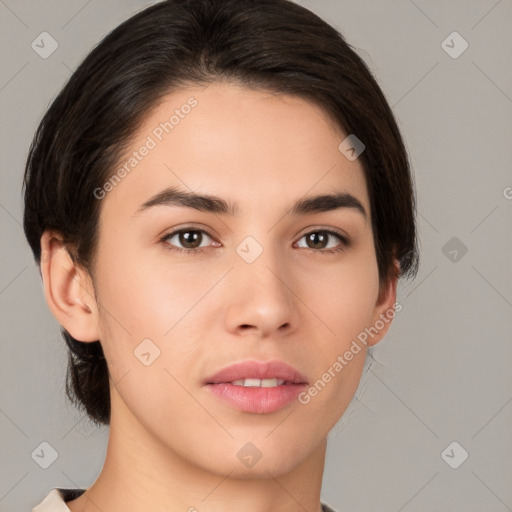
[{"x": 262, "y": 299}]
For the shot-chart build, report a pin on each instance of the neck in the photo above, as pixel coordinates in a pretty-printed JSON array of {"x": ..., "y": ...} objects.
[{"x": 140, "y": 473}]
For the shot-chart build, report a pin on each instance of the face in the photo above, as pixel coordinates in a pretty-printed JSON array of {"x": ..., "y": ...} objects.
[{"x": 184, "y": 292}]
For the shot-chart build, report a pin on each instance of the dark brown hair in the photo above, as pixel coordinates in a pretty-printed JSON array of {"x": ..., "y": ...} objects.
[{"x": 273, "y": 45}]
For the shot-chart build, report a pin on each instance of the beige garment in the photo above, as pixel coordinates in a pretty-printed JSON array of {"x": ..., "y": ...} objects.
[{"x": 55, "y": 500}]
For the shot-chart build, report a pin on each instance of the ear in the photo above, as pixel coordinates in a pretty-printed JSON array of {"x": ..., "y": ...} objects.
[
  {"x": 68, "y": 289},
  {"x": 384, "y": 311}
]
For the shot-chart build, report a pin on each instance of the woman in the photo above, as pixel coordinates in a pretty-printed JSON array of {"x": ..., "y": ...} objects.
[{"x": 221, "y": 204}]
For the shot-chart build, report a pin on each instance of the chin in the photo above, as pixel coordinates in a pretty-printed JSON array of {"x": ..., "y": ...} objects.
[
  {"x": 259, "y": 460},
  {"x": 278, "y": 465}
]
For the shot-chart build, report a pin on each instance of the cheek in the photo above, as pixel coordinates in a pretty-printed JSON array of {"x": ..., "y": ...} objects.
[
  {"x": 140, "y": 305},
  {"x": 151, "y": 305},
  {"x": 147, "y": 298},
  {"x": 344, "y": 296}
]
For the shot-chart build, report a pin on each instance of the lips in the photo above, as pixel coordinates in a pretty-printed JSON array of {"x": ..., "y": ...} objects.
[
  {"x": 257, "y": 387},
  {"x": 257, "y": 370}
]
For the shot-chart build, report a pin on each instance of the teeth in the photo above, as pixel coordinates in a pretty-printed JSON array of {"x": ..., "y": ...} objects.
[{"x": 263, "y": 383}]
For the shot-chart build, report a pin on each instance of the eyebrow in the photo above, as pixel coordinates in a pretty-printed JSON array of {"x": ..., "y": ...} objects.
[{"x": 207, "y": 203}]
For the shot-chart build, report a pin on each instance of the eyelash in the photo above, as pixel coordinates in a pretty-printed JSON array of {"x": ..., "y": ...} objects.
[{"x": 344, "y": 241}]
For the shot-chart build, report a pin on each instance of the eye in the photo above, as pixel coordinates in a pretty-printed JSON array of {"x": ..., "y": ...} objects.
[
  {"x": 191, "y": 241},
  {"x": 189, "y": 238},
  {"x": 319, "y": 239}
]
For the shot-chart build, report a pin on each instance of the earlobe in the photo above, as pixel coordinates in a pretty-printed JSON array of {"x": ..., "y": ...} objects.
[
  {"x": 385, "y": 307},
  {"x": 68, "y": 290}
]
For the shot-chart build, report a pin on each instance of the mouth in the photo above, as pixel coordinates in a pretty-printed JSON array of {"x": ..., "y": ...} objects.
[
  {"x": 252, "y": 373},
  {"x": 257, "y": 387},
  {"x": 259, "y": 383}
]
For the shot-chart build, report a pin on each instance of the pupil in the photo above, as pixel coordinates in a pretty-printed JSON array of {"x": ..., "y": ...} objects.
[
  {"x": 318, "y": 238},
  {"x": 185, "y": 238}
]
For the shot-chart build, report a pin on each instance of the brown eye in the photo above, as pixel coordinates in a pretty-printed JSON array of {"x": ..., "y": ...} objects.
[
  {"x": 320, "y": 239},
  {"x": 188, "y": 239},
  {"x": 317, "y": 240}
]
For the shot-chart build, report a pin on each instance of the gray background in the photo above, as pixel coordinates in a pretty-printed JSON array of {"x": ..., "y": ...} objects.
[{"x": 441, "y": 375}]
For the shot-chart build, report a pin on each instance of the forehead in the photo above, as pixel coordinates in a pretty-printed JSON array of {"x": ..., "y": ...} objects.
[{"x": 251, "y": 147}]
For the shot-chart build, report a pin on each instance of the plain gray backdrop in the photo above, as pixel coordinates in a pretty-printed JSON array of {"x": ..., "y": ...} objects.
[{"x": 440, "y": 388}]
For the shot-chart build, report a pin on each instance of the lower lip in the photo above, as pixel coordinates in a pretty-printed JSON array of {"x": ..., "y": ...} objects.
[{"x": 257, "y": 399}]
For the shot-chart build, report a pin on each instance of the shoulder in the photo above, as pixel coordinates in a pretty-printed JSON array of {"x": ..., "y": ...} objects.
[{"x": 55, "y": 500}]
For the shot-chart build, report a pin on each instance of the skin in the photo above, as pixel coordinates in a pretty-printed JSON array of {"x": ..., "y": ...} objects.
[{"x": 173, "y": 445}]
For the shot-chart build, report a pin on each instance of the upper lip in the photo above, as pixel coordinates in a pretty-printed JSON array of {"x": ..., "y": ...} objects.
[{"x": 257, "y": 370}]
